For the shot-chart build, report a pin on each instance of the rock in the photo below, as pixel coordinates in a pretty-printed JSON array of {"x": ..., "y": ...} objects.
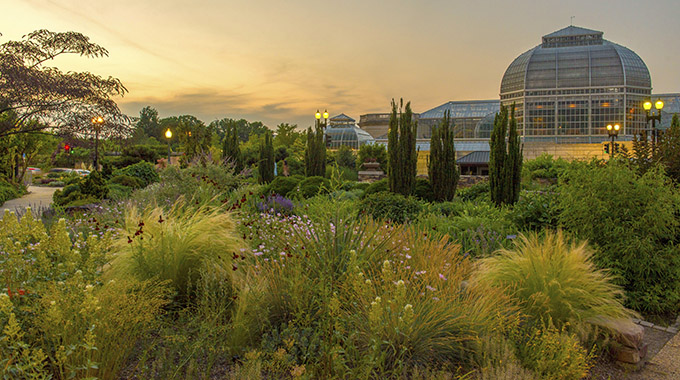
[
  {"x": 627, "y": 355},
  {"x": 627, "y": 333}
]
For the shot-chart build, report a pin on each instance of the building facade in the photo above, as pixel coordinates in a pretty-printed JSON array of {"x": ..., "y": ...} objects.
[{"x": 572, "y": 85}]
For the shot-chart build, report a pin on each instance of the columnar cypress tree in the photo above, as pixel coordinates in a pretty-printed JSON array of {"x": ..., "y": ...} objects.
[
  {"x": 315, "y": 154},
  {"x": 442, "y": 168},
  {"x": 670, "y": 149},
  {"x": 513, "y": 165},
  {"x": 266, "y": 165},
  {"x": 505, "y": 165},
  {"x": 401, "y": 149},
  {"x": 497, "y": 156},
  {"x": 230, "y": 148}
]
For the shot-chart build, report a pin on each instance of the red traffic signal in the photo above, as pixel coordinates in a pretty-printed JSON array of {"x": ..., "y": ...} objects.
[{"x": 67, "y": 148}]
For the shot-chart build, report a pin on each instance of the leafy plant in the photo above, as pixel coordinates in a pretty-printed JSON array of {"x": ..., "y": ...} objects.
[
  {"x": 144, "y": 171},
  {"x": 390, "y": 206}
]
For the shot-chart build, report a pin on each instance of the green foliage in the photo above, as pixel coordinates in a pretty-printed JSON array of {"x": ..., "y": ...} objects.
[
  {"x": 180, "y": 246},
  {"x": 552, "y": 353},
  {"x": 345, "y": 173},
  {"x": 94, "y": 186},
  {"x": 145, "y": 172},
  {"x": 118, "y": 192},
  {"x": 58, "y": 318},
  {"x": 345, "y": 157},
  {"x": 315, "y": 154},
  {"x": 442, "y": 169},
  {"x": 376, "y": 152},
  {"x": 133, "y": 154},
  {"x": 632, "y": 221},
  {"x": 537, "y": 210},
  {"x": 194, "y": 136},
  {"x": 230, "y": 148},
  {"x": 390, "y": 206},
  {"x": 312, "y": 186},
  {"x": 479, "y": 190},
  {"x": 79, "y": 192},
  {"x": 424, "y": 190},
  {"x": 401, "y": 150},
  {"x": 265, "y": 166},
  {"x": 377, "y": 187},
  {"x": 670, "y": 149},
  {"x": 126, "y": 180},
  {"x": 283, "y": 185},
  {"x": 545, "y": 167},
  {"x": 554, "y": 280},
  {"x": 7, "y": 192},
  {"x": 505, "y": 164}
]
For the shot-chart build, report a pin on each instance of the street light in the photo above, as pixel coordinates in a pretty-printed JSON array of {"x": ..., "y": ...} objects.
[
  {"x": 97, "y": 121},
  {"x": 613, "y": 131},
  {"x": 168, "y": 135},
  {"x": 653, "y": 117},
  {"x": 323, "y": 126}
]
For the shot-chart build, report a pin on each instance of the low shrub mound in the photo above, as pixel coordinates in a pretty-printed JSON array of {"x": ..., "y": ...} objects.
[
  {"x": 390, "y": 206},
  {"x": 144, "y": 171},
  {"x": 283, "y": 185},
  {"x": 7, "y": 192}
]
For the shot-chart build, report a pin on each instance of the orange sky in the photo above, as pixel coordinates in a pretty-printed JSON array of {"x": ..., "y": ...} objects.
[{"x": 278, "y": 61}]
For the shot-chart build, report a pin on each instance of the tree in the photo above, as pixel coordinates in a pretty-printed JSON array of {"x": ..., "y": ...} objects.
[
  {"x": 287, "y": 134},
  {"x": 45, "y": 98},
  {"x": 642, "y": 153},
  {"x": 505, "y": 159},
  {"x": 442, "y": 168},
  {"x": 372, "y": 152},
  {"x": 670, "y": 149},
  {"x": 266, "y": 164},
  {"x": 401, "y": 150},
  {"x": 345, "y": 157},
  {"x": 231, "y": 150},
  {"x": 149, "y": 123},
  {"x": 315, "y": 155},
  {"x": 194, "y": 135}
]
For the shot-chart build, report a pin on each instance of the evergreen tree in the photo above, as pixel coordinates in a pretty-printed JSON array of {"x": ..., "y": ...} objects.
[
  {"x": 401, "y": 150},
  {"x": 266, "y": 165},
  {"x": 670, "y": 147},
  {"x": 230, "y": 148},
  {"x": 497, "y": 156},
  {"x": 513, "y": 165},
  {"x": 642, "y": 153},
  {"x": 505, "y": 159},
  {"x": 315, "y": 154},
  {"x": 442, "y": 168}
]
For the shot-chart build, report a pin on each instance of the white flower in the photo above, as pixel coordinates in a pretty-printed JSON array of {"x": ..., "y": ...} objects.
[{"x": 400, "y": 283}]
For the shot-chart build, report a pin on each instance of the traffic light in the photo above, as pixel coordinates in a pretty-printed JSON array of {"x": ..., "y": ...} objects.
[
  {"x": 606, "y": 148},
  {"x": 67, "y": 149},
  {"x": 329, "y": 140},
  {"x": 616, "y": 147}
]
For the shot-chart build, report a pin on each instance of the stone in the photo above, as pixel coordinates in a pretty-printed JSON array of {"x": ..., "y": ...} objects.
[
  {"x": 646, "y": 324},
  {"x": 627, "y": 333},
  {"x": 627, "y": 355}
]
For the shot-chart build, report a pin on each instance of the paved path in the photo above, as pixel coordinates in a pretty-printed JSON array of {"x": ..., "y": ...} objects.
[
  {"x": 37, "y": 197},
  {"x": 666, "y": 364}
]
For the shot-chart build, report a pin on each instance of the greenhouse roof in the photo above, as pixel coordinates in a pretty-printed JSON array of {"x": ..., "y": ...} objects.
[{"x": 462, "y": 109}]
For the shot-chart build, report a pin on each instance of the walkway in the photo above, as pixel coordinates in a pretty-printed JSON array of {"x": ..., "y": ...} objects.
[
  {"x": 666, "y": 364},
  {"x": 37, "y": 197}
]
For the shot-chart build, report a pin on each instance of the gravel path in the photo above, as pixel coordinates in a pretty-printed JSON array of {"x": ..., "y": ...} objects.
[{"x": 37, "y": 197}]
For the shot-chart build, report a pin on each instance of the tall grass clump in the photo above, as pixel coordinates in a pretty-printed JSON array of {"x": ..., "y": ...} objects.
[
  {"x": 553, "y": 279},
  {"x": 177, "y": 246}
]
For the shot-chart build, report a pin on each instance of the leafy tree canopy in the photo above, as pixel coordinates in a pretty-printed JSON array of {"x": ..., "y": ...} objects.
[{"x": 45, "y": 98}]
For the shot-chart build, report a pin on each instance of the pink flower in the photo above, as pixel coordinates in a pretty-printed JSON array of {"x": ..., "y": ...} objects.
[{"x": 442, "y": 277}]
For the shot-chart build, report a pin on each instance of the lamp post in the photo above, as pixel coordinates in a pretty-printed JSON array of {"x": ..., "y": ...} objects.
[
  {"x": 323, "y": 126},
  {"x": 613, "y": 131},
  {"x": 653, "y": 117},
  {"x": 97, "y": 122},
  {"x": 168, "y": 135}
]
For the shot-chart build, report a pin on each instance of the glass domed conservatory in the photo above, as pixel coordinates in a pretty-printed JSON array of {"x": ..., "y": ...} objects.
[
  {"x": 342, "y": 130},
  {"x": 567, "y": 89}
]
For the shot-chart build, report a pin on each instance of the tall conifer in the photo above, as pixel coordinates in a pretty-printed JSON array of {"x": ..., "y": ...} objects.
[
  {"x": 505, "y": 159},
  {"x": 230, "y": 148},
  {"x": 401, "y": 150},
  {"x": 315, "y": 154},
  {"x": 266, "y": 165},
  {"x": 442, "y": 168}
]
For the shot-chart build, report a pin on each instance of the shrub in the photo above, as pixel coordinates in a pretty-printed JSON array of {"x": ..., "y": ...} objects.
[
  {"x": 118, "y": 192},
  {"x": 544, "y": 166},
  {"x": 390, "y": 206},
  {"x": 7, "y": 192},
  {"x": 283, "y": 185},
  {"x": 632, "y": 221},
  {"x": 553, "y": 280},
  {"x": 176, "y": 246},
  {"x": 536, "y": 210},
  {"x": 144, "y": 171},
  {"x": 94, "y": 186},
  {"x": 424, "y": 190},
  {"x": 312, "y": 186},
  {"x": 126, "y": 180},
  {"x": 377, "y": 186},
  {"x": 479, "y": 190}
]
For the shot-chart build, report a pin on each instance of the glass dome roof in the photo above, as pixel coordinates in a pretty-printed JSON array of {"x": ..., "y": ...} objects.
[
  {"x": 575, "y": 58},
  {"x": 349, "y": 135}
]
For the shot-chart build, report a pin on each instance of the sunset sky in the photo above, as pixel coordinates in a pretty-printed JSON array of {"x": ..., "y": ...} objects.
[{"x": 278, "y": 61}]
